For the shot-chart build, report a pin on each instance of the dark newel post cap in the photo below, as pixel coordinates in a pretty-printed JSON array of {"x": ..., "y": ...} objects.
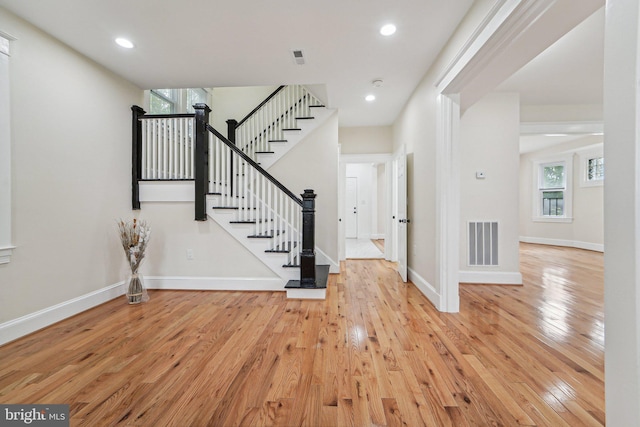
[
  {"x": 138, "y": 109},
  {"x": 308, "y": 194},
  {"x": 204, "y": 107}
]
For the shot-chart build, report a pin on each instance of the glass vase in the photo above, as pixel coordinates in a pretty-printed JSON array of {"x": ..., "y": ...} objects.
[{"x": 136, "y": 291}]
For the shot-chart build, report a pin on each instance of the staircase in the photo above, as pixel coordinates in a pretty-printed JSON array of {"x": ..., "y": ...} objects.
[
  {"x": 275, "y": 126},
  {"x": 232, "y": 185}
]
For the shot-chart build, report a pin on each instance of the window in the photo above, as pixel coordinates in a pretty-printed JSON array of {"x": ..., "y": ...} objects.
[
  {"x": 592, "y": 167},
  {"x": 595, "y": 169},
  {"x": 553, "y": 190},
  {"x": 163, "y": 101},
  {"x": 195, "y": 96},
  {"x": 552, "y": 186},
  {"x": 172, "y": 101}
]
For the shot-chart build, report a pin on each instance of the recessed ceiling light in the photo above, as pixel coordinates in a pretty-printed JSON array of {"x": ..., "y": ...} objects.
[
  {"x": 388, "y": 29},
  {"x": 124, "y": 43},
  {"x": 377, "y": 83},
  {"x": 370, "y": 98}
]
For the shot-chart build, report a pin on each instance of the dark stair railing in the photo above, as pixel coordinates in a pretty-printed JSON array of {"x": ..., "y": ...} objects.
[
  {"x": 186, "y": 147},
  {"x": 162, "y": 149},
  {"x": 267, "y": 123}
]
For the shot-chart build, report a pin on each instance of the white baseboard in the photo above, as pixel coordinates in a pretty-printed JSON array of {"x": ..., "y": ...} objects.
[
  {"x": 377, "y": 236},
  {"x": 598, "y": 247},
  {"x": 16, "y": 328},
  {"x": 491, "y": 277},
  {"x": 215, "y": 283},
  {"x": 426, "y": 288},
  {"x": 324, "y": 259}
]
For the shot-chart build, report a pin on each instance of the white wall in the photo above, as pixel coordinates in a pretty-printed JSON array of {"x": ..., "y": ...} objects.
[
  {"x": 587, "y": 228},
  {"x": 365, "y": 140},
  {"x": 71, "y": 175},
  {"x": 415, "y": 128},
  {"x": 215, "y": 252},
  {"x": 313, "y": 163},
  {"x": 235, "y": 103},
  {"x": 489, "y": 137}
]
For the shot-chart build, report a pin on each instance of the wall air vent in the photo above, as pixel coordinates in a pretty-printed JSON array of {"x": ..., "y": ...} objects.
[
  {"x": 298, "y": 56},
  {"x": 483, "y": 243}
]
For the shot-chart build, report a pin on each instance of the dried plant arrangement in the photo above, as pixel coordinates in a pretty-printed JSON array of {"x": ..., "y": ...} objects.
[{"x": 134, "y": 236}]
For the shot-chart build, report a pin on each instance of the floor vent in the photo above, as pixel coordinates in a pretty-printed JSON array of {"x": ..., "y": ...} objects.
[{"x": 483, "y": 243}]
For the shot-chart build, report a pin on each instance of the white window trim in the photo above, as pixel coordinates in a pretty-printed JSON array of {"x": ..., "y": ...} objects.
[
  {"x": 584, "y": 160},
  {"x": 567, "y": 159},
  {"x": 6, "y": 248}
]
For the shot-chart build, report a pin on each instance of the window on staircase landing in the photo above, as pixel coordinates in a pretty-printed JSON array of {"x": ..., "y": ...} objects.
[
  {"x": 195, "y": 96},
  {"x": 163, "y": 101},
  {"x": 172, "y": 101}
]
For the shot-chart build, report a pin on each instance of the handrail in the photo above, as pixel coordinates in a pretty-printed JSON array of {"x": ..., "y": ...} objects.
[
  {"x": 255, "y": 165},
  {"x": 167, "y": 116},
  {"x": 260, "y": 105}
]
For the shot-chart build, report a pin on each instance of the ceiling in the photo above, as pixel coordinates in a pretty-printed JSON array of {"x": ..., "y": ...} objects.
[
  {"x": 200, "y": 43},
  {"x": 569, "y": 72}
]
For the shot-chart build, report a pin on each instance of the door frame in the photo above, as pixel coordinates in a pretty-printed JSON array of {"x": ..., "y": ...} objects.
[{"x": 342, "y": 174}]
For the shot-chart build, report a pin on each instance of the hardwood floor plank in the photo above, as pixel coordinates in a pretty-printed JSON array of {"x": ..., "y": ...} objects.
[{"x": 375, "y": 352}]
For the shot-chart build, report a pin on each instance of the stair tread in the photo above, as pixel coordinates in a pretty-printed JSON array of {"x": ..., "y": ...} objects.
[
  {"x": 278, "y": 140},
  {"x": 292, "y": 129},
  {"x": 265, "y": 152},
  {"x": 268, "y": 235},
  {"x": 224, "y": 207},
  {"x": 316, "y": 106},
  {"x": 283, "y": 250},
  {"x": 214, "y": 194},
  {"x": 242, "y": 222},
  {"x": 305, "y": 118}
]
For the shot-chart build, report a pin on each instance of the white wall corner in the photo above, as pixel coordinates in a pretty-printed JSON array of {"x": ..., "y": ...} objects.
[
  {"x": 16, "y": 328},
  {"x": 426, "y": 288},
  {"x": 491, "y": 277}
]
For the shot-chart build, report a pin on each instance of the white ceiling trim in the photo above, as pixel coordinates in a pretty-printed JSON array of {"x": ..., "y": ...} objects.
[{"x": 505, "y": 22}]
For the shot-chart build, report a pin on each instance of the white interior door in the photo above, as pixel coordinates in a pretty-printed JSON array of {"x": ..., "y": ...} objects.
[
  {"x": 401, "y": 211},
  {"x": 351, "y": 208}
]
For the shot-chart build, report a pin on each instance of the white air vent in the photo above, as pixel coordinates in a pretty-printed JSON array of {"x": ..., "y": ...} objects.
[
  {"x": 298, "y": 57},
  {"x": 483, "y": 243}
]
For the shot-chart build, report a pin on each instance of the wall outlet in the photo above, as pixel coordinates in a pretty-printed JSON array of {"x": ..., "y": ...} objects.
[{"x": 190, "y": 254}]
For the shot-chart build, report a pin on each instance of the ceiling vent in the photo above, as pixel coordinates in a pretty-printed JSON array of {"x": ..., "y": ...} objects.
[{"x": 298, "y": 56}]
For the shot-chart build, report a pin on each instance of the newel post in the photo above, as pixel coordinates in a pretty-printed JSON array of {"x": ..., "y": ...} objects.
[
  {"x": 308, "y": 254},
  {"x": 136, "y": 154},
  {"x": 201, "y": 160}
]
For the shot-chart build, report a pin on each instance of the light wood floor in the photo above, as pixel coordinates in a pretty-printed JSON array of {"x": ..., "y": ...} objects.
[{"x": 375, "y": 352}]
